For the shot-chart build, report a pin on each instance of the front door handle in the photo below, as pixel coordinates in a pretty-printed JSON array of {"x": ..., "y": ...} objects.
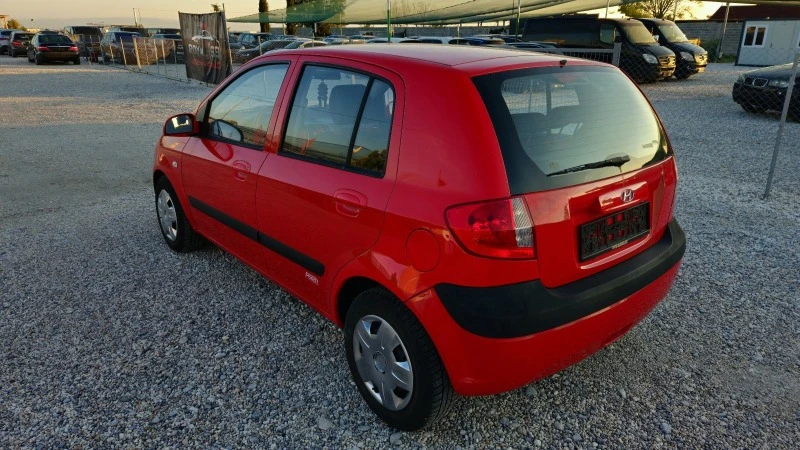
[
  {"x": 240, "y": 170},
  {"x": 349, "y": 202}
]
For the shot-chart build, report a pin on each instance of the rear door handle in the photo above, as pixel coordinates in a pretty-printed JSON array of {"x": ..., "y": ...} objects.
[
  {"x": 240, "y": 170},
  {"x": 349, "y": 202}
]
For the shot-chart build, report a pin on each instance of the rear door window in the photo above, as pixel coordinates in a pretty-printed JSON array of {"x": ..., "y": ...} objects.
[
  {"x": 552, "y": 121},
  {"x": 340, "y": 118}
]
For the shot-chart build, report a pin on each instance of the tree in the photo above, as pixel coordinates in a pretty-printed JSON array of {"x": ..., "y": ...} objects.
[
  {"x": 15, "y": 25},
  {"x": 291, "y": 28},
  {"x": 660, "y": 9},
  {"x": 263, "y": 7},
  {"x": 215, "y": 7}
]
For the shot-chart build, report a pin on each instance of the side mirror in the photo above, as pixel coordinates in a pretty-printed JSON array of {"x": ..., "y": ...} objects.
[{"x": 181, "y": 125}]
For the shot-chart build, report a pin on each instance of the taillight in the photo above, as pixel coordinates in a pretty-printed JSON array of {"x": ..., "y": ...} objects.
[
  {"x": 497, "y": 229},
  {"x": 16, "y": 44},
  {"x": 73, "y": 48},
  {"x": 42, "y": 48}
]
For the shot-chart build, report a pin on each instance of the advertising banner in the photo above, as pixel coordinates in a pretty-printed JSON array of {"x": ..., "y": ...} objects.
[{"x": 205, "y": 44}]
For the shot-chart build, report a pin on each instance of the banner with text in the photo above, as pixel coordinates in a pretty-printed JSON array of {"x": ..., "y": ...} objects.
[{"x": 205, "y": 43}]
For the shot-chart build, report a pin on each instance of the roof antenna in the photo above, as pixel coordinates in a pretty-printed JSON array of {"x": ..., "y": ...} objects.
[{"x": 563, "y": 62}]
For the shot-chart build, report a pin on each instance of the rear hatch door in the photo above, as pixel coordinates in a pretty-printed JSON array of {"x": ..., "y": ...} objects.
[{"x": 586, "y": 150}]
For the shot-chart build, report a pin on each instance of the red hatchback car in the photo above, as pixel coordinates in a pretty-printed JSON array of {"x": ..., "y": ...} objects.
[{"x": 475, "y": 219}]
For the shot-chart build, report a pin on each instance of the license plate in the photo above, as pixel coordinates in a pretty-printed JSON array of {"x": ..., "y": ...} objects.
[{"x": 614, "y": 231}]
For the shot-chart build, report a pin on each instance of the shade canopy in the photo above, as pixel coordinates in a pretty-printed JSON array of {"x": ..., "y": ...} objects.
[{"x": 433, "y": 12}]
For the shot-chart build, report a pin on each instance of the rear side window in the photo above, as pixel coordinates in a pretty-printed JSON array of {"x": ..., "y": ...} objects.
[
  {"x": 552, "y": 121},
  {"x": 242, "y": 111},
  {"x": 341, "y": 118}
]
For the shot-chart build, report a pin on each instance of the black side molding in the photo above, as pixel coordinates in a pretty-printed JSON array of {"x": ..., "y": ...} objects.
[
  {"x": 526, "y": 308},
  {"x": 301, "y": 259}
]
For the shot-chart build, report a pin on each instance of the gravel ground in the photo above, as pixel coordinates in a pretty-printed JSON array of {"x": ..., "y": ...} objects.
[{"x": 109, "y": 340}]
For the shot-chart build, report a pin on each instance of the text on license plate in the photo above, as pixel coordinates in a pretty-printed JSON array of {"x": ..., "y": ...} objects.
[{"x": 614, "y": 231}]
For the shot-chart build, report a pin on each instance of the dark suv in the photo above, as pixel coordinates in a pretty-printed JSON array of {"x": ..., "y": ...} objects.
[
  {"x": 641, "y": 58},
  {"x": 690, "y": 59}
]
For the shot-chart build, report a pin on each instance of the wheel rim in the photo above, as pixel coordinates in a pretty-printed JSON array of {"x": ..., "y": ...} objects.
[
  {"x": 383, "y": 363},
  {"x": 167, "y": 216}
]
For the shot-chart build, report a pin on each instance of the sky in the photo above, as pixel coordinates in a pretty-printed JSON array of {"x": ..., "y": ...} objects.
[{"x": 154, "y": 13}]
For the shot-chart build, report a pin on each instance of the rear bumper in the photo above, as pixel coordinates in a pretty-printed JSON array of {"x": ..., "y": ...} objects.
[
  {"x": 563, "y": 325},
  {"x": 58, "y": 56}
]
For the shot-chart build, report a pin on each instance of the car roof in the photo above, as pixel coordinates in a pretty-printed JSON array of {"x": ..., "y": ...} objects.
[{"x": 473, "y": 60}]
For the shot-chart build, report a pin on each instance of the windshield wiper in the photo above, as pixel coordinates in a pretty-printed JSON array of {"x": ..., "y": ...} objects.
[{"x": 616, "y": 161}]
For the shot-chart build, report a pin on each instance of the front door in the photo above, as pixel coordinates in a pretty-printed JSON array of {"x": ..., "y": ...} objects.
[{"x": 220, "y": 166}]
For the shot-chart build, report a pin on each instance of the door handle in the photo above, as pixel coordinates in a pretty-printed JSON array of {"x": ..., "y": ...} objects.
[
  {"x": 240, "y": 170},
  {"x": 349, "y": 203}
]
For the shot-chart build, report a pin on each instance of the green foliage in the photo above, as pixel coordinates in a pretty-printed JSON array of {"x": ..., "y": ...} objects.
[
  {"x": 711, "y": 47},
  {"x": 15, "y": 25},
  {"x": 633, "y": 10},
  {"x": 660, "y": 9}
]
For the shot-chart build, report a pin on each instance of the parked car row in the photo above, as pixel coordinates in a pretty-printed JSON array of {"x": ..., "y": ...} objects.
[{"x": 651, "y": 49}]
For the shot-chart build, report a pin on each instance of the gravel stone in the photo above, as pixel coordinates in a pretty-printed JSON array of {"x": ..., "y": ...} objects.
[
  {"x": 395, "y": 438},
  {"x": 666, "y": 428},
  {"x": 717, "y": 360},
  {"x": 324, "y": 423}
]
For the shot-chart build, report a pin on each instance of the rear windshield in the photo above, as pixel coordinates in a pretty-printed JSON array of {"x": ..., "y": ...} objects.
[
  {"x": 54, "y": 39},
  {"x": 552, "y": 119},
  {"x": 5, "y": 33},
  {"x": 92, "y": 31},
  {"x": 23, "y": 36}
]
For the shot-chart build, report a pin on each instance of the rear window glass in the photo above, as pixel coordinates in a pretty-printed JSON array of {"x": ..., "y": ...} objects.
[
  {"x": 87, "y": 30},
  {"x": 550, "y": 120},
  {"x": 23, "y": 37},
  {"x": 54, "y": 39}
]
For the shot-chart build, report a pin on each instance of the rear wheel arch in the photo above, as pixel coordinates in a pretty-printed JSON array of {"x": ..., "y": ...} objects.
[{"x": 351, "y": 289}]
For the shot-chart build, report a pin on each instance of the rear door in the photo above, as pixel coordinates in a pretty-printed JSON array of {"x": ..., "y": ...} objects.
[
  {"x": 585, "y": 149},
  {"x": 321, "y": 198},
  {"x": 220, "y": 167}
]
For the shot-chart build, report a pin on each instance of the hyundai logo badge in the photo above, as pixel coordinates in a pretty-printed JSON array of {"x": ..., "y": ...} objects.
[{"x": 627, "y": 195}]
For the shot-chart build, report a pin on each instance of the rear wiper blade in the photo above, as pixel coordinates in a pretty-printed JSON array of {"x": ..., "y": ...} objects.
[{"x": 615, "y": 161}]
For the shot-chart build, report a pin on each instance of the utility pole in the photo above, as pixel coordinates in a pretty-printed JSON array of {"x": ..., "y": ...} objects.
[
  {"x": 388, "y": 21},
  {"x": 518, "y": 14}
]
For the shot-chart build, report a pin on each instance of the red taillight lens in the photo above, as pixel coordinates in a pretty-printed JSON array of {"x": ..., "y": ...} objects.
[
  {"x": 42, "y": 48},
  {"x": 16, "y": 44},
  {"x": 73, "y": 48},
  {"x": 497, "y": 229}
]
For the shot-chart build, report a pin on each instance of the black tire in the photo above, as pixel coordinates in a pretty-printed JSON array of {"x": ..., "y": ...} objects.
[
  {"x": 185, "y": 239},
  {"x": 76, "y": 61},
  {"x": 431, "y": 394},
  {"x": 683, "y": 75},
  {"x": 753, "y": 108},
  {"x": 39, "y": 60}
]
